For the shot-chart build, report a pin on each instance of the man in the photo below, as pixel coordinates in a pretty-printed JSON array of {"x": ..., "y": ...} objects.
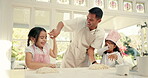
[{"x": 87, "y": 37}]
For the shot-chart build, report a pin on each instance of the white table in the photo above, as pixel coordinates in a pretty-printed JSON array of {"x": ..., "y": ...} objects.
[
  {"x": 82, "y": 73},
  {"x": 12, "y": 73},
  {"x": 73, "y": 73}
]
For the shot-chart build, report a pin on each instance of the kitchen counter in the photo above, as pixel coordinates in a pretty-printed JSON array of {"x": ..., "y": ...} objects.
[{"x": 72, "y": 73}]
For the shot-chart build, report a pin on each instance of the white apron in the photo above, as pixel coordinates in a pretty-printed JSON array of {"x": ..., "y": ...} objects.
[{"x": 76, "y": 54}]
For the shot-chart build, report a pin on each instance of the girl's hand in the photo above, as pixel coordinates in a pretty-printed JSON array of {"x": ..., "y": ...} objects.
[
  {"x": 113, "y": 57},
  {"x": 110, "y": 47},
  {"x": 107, "y": 44},
  {"x": 54, "y": 33},
  {"x": 52, "y": 65}
]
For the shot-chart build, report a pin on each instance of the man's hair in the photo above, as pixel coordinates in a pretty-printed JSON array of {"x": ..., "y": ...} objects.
[{"x": 97, "y": 11}]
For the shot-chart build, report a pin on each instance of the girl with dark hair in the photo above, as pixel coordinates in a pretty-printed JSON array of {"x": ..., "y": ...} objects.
[
  {"x": 111, "y": 54},
  {"x": 39, "y": 52}
]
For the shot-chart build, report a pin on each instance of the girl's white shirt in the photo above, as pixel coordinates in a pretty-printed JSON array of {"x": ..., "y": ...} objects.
[
  {"x": 37, "y": 50},
  {"x": 107, "y": 61}
]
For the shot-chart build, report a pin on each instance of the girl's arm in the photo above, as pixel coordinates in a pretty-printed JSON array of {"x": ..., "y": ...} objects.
[
  {"x": 120, "y": 59},
  {"x": 35, "y": 65},
  {"x": 102, "y": 50},
  {"x": 53, "y": 53}
]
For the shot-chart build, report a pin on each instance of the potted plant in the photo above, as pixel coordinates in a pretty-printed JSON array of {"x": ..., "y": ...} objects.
[
  {"x": 13, "y": 56},
  {"x": 16, "y": 54}
]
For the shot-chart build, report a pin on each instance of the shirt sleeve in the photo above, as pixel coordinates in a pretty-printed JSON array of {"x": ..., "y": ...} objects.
[
  {"x": 29, "y": 49},
  {"x": 120, "y": 59},
  {"x": 102, "y": 50},
  {"x": 74, "y": 24},
  {"x": 99, "y": 39}
]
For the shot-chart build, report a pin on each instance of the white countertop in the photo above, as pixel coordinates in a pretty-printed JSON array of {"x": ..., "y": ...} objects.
[{"x": 72, "y": 73}]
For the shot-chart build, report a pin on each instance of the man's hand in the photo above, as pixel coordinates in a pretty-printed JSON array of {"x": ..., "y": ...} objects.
[
  {"x": 54, "y": 33},
  {"x": 90, "y": 53},
  {"x": 109, "y": 46},
  {"x": 95, "y": 62}
]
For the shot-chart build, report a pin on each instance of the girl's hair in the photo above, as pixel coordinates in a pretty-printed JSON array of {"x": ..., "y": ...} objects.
[
  {"x": 34, "y": 32},
  {"x": 115, "y": 49}
]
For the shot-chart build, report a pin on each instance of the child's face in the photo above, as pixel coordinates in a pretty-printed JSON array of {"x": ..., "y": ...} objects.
[
  {"x": 111, "y": 46},
  {"x": 42, "y": 39}
]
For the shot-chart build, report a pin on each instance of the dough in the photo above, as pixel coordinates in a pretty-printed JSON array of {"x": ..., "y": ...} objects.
[
  {"x": 98, "y": 66},
  {"x": 44, "y": 70}
]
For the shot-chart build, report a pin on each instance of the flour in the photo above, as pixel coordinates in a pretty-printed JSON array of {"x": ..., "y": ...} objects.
[
  {"x": 98, "y": 66},
  {"x": 45, "y": 70}
]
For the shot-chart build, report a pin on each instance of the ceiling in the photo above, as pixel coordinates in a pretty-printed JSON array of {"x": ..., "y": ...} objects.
[{"x": 117, "y": 22}]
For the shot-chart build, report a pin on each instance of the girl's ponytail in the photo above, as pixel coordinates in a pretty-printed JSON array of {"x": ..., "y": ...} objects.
[{"x": 28, "y": 42}]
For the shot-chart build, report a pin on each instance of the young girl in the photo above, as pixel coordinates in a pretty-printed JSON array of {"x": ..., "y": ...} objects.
[
  {"x": 38, "y": 53},
  {"x": 110, "y": 53}
]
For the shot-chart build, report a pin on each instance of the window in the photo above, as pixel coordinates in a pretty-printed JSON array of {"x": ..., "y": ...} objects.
[
  {"x": 143, "y": 38},
  {"x": 128, "y": 6},
  {"x": 99, "y": 3},
  {"x": 63, "y": 41},
  {"x": 42, "y": 19},
  {"x": 43, "y": 0},
  {"x": 19, "y": 43},
  {"x": 21, "y": 17},
  {"x": 62, "y": 15},
  {"x": 23, "y": 0},
  {"x": 113, "y": 4},
  {"x": 78, "y": 14},
  {"x": 140, "y": 8},
  {"x": 20, "y": 29},
  {"x": 64, "y": 38},
  {"x": 63, "y": 1},
  {"x": 80, "y": 2}
]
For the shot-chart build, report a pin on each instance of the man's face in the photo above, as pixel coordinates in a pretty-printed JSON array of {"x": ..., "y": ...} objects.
[{"x": 92, "y": 21}]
